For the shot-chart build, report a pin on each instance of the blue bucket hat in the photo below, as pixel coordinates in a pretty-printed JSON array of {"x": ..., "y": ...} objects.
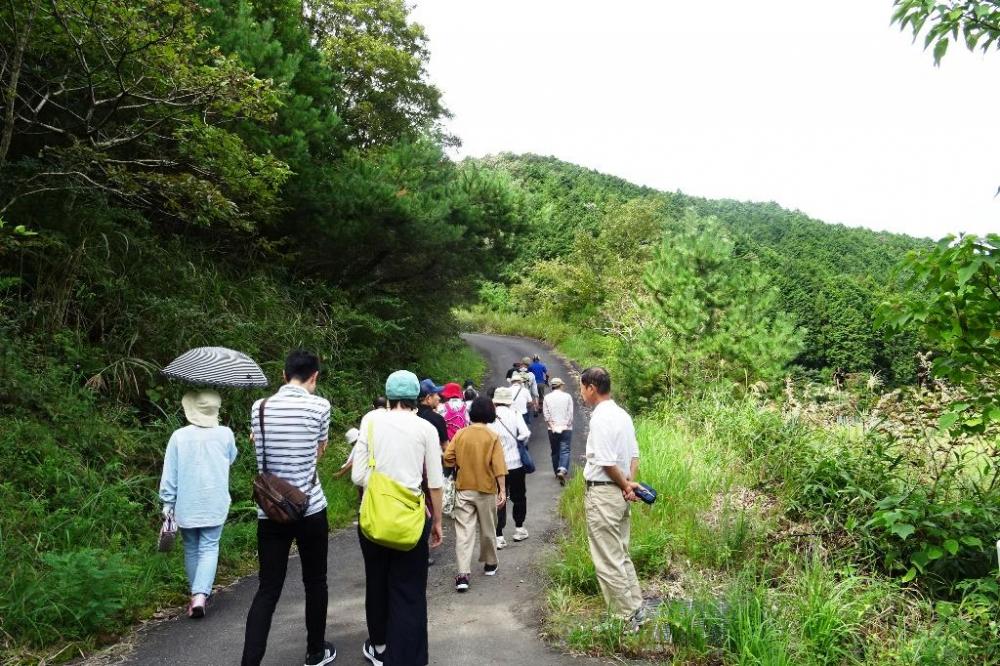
[
  {"x": 402, "y": 385},
  {"x": 428, "y": 387}
]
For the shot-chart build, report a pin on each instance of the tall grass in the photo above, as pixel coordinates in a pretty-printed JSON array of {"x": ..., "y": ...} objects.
[{"x": 742, "y": 574}]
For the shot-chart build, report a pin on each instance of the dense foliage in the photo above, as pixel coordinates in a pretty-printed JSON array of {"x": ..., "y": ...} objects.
[
  {"x": 829, "y": 278},
  {"x": 261, "y": 175}
]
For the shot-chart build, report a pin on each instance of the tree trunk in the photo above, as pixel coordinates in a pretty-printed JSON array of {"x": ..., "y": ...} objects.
[{"x": 10, "y": 88}]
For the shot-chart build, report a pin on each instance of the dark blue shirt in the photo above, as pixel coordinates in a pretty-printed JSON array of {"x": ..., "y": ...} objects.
[{"x": 539, "y": 371}]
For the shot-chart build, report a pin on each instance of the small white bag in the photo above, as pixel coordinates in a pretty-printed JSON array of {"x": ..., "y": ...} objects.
[
  {"x": 448, "y": 497},
  {"x": 168, "y": 532}
]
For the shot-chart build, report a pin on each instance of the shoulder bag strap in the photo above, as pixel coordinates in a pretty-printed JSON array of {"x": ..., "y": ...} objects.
[
  {"x": 263, "y": 449},
  {"x": 506, "y": 428},
  {"x": 371, "y": 444}
]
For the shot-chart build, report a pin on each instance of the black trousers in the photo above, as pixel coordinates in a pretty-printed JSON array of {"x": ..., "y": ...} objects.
[
  {"x": 518, "y": 496},
  {"x": 396, "y": 599},
  {"x": 274, "y": 541}
]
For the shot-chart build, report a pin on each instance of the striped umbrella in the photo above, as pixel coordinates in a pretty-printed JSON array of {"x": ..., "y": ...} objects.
[{"x": 216, "y": 366}]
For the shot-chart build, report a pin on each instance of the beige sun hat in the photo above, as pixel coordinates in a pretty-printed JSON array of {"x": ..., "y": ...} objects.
[
  {"x": 516, "y": 377},
  {"x": 202, "y": 408},
  {"x": 503, "y": 396},
  {"x": 555, "y": 382}
]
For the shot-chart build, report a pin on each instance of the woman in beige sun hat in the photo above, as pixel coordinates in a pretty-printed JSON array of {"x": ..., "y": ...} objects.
[{"x": 194, "y": 488}]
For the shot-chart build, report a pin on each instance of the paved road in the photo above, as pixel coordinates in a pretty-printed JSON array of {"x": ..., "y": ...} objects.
[{"x": 496, "y": 621}]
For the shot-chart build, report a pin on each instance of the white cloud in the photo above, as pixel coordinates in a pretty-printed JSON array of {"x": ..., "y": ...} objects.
[{"x": 819, "y": 106}]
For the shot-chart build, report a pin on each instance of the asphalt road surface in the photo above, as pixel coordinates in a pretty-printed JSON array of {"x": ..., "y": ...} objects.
[{"x": 495, "y": 622}]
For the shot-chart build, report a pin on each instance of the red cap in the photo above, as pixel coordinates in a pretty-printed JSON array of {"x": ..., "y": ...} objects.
[{"x": 452, "y": 390}]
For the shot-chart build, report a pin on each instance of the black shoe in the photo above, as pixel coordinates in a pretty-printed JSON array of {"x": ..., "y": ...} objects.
[
  {"x": 327, "y": 656},
  {"x": 371, "y": 655},
  {"x": 490, "y": 569},
  {"x": 461, "y": 583}
]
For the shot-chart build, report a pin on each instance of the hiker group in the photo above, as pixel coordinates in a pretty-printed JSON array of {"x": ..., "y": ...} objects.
[{"x": 421, "y": 453}]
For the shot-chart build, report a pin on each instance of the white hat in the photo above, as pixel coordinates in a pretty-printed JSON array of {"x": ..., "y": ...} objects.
[
  {"x": 201, "y": 408},
  {"x": 352, "y": 435},
  {"x": 516, "y": 377},
  {"x": 555, "y": 382},
  {"x": 503, "y": 396}
]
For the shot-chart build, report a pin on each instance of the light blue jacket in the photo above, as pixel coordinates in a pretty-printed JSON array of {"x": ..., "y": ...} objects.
[{"x": 196, "y": 475}]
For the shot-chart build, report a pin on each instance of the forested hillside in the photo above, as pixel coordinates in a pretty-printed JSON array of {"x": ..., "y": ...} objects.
[
  {"x": 806, "y": 515},
  {"x": 830, "y": 278},
  {"x": 259, "y": 175}
]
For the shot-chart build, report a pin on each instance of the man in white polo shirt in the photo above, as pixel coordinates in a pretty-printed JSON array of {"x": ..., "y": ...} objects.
[{"x": 612, "y": 463}]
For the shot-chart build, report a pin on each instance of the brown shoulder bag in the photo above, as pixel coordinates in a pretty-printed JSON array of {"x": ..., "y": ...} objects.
[{"x": 280, "y": 500}]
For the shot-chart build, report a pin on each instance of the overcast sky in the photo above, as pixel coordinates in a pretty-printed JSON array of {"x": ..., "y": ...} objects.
[{"x": 820, "y": 106}]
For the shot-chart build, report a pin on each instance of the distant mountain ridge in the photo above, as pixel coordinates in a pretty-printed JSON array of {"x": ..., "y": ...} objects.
[{"x": 832, "y": 277}]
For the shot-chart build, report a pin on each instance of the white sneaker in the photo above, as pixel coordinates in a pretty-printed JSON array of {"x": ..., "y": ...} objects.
[
  {"x": 501, "y": 543},
  {"x": 368, "y": 650},
  {"x": 520, "y": 534}
]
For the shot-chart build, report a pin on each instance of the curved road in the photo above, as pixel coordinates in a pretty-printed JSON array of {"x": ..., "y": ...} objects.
[{"x": 496, "y": 621}]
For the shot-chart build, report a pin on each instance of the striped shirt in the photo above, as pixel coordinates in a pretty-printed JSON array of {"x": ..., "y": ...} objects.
[{"x": 295, "y": 422}]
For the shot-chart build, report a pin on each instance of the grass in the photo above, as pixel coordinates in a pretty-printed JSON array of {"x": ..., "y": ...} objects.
[
  {"x": 736, "y": 585},
  {"x": 746, "y": 551}
]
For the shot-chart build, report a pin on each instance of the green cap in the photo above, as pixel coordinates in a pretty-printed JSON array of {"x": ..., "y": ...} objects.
[{"x": 402, "y": 385}]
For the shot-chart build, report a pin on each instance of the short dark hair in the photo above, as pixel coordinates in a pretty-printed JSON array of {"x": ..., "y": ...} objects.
[
  {"x": 408, "y": 404},
  {"x": 597, "y": 377},
  {"x": 471, "y": 393},
  {"x": 380, "y": 402},
  {"x": 482, "y": 411},
  {"x": 301, "y": 365}
]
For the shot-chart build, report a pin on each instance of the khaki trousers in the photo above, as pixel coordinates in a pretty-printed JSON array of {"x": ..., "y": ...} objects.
[
  {"x": 475, "y": 511},
  {"x": 608, "y": 529}
]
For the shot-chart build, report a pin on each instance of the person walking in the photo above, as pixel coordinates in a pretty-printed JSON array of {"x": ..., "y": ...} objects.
[
  {"x": 477, "y": 454},
  {"x": 557, "y": 410},
  {"x": 430, "y": 399},
  {"x": 511, "y": 428},
  {"x": 541, "y": 376},
  {"x": 470, "y": 392},
  {"x": 293, "y": 426},
  {"x": 612, "y": 463},
  {"x": 454, "y": 410},
  {"x": 530, "y": 384},
  {"x": 194, "y": 488},
  {"x": 405, "y": 447},
  {"x": 521, "y": 397}
]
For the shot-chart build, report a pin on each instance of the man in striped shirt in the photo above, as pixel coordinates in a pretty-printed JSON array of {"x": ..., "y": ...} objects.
[{"x": 289, "y": 443}]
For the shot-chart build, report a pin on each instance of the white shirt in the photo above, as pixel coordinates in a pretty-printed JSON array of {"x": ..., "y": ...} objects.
[
  {"x": 558, "y": 410},
  {"x": 611, "y": 441},
  {"x": 510, "y": 426},
  {"x": 404, "y": 445},
  {"x": 521, "y": 398}
]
